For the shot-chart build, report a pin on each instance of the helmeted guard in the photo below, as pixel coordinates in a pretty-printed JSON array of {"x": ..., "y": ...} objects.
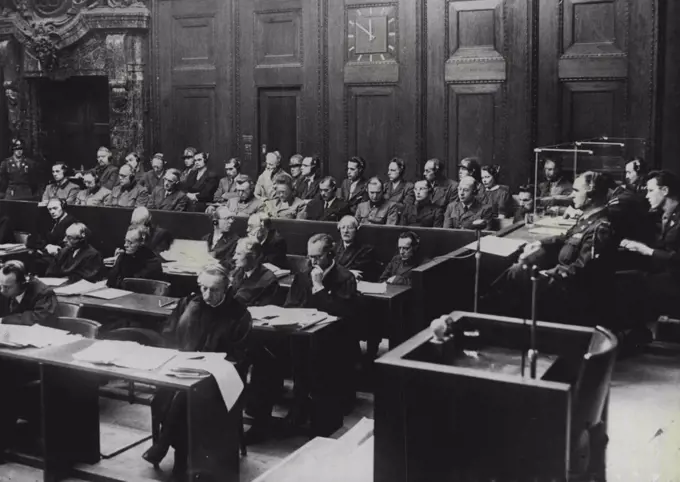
[{"x": 19, "y": 176}]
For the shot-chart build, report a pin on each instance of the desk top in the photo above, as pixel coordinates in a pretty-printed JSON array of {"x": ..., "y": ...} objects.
[
  {"x": 62, "y": 356},
  {"x": 13, "y": 252},
  {"x": 393, "y": 291}
]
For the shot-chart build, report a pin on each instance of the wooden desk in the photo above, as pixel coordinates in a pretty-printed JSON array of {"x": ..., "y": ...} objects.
[
  {"x": 69, "y": 408},
  {"x": 13, "y": 253},
  {"x": 392, "y": 305},
  {"x": 133, "y": 303}
]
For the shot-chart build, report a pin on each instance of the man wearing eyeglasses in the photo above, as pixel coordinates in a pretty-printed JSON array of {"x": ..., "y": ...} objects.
[
  {"x": 78, "y": 260},
  {"x": 134, "y": 260},
  {"x": 309, "y": 186},
  {"x": 246, "y": 203},
  {"x": 168, "y": 196}
]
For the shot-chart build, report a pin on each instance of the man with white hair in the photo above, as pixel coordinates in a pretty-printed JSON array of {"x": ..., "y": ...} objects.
[
  {"x": 108, "y": 173},
  {"x": 168, "y": 196},
  {"x": 377, "y": 210},
  {"x": 156, "y": 238},
  {"x": 222, "y": 241},
  {"x": 264, "y": 188},
  {"x": 462, "y": 213},
  {"x": 129, "y": 192},
  {"x": 134, "y": 260},
  {"x": 274, "y": 247},
  {"x": 351, "y": 253},
  {"x": 253, "y": 284},
  {"x": 78, "y": 260},
  {"x": 154, "y": 177}
]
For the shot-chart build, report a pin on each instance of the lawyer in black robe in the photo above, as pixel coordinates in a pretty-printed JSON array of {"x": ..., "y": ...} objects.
[{"x": 78, "y": 260}]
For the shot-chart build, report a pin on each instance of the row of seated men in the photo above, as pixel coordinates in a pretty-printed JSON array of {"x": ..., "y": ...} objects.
[{"x": 434, "y": 201}]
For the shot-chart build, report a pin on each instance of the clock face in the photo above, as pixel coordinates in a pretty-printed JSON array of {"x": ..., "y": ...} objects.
[{"x": 372, "y": 34}]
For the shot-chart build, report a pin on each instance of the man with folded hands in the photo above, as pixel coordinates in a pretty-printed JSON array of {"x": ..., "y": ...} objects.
[
  {"x": 351, "y": 253},
  {"x": 24, "y": 301},
  {"x": 134, "y": 260},
  {"x": 398, "y": 271},
  {"x": 78, "y": 259}
]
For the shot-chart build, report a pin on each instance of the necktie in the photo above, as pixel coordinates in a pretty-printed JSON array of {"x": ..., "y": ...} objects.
[
  {"x": 13, "y": 305},
  {"x": 328, "y": 204}
]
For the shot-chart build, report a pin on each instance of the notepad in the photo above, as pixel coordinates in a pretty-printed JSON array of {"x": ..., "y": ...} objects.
[
  {"x": 36, "y": 336},
  {"x": 369, "y": 288},
  {"x": 54, "y": 281},
  {"x": 108, "y": 293},
  {"x": 499, "y": 246},
  {"x": 125, "y": 354},
  {"x": 80, "y": 288}
]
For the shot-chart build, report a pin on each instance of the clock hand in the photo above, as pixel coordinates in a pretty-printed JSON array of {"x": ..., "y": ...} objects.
[
  {"x": 370, "y": 29},
  {"x": 370, "y": 35}
]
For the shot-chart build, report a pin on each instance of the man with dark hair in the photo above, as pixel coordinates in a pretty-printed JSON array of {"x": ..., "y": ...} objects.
[
  {"x": 61, "y": 188},
  {"x": 556, "y": 188},
  {"x": 467, "y": 209},
  {"x": 188, "y": 157},
  {"x": 134, "y": 260},
  {"x": 254, "y": 284},
  {"x": 309, "y": 186},
  {"x": 295, "y": 167},
  {"x": 108, "y": 173},
  {"x": 377, "y": 210},
  {"x": 169, "y": 196},
  {"x": 397, "y": 189},
  {"x": 78, "y": 260},
  {"x": 398, "y": 271},
  {"x": 525, "y": 202},
  {"x": 274, "y": 247},
  {"x": 629, "y": 208},
  {"x": 94, "y": 193},
  {"x": 353, "y": 189},
  {"x": 246, "y": 203},
  {"x": 201, "y": 183},
  {"x": 19, "y": 176},
  {"x": 226, "y": 189},
  {"x": 327, "y": 206},
  {"x": 50, "y": 240},
  {"x": 422, "y": 212},
  {"x": 444, "y": 190},
  {"x": 129, "y": 193}
]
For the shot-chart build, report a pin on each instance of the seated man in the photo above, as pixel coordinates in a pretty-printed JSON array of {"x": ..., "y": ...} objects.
[
  {"x": 222, "y": 241},
  {"x": 308, "y": 187},
  {"x": 264, "y": 187},
  {"x": 398, "y": 271},
  {"x": 212, "y": 321},
  {"x": 50, "y": 239},
  {"x": 253, "y": 284},
  {"x": 128, "y": 193},
  {"x": 78, "y": 260},
  {"x": 201, "y": 184},
  {"x": 107, "y": 172},
  {"x": 134, "y": 260},
  {"x": 285, "y": 203},
  {"x": 577, "y": 274},
  {"x": 226, "y": 189},
  {"x": 246, "y": 203},
  {"x": 353, "y": 189},
  {"x": 461, "y": 214},
  {"x": 24, "y": 301},
  {"x": 556, "y": 188},
  {"x": 153, "y": 178},
  {"x": 630, "y": 209},
  {"x": 397, "y": 188},
  {"x": 444, "y": 190},
  {"x": 351, "y": 253},
  {"x": 61, "y": 188},
  {"x": 525, "y": 202},
  {"x": 377, "y": 210},
  {"x": 274, "y": 248},
  {"x": 168, "y": 196},
  {"x": 422, "y": 212},
  {"x": 326, "y": 206},
  {"x": 326, "y": 286},
  {"x": 157, "y": 239},
  {"x": 94, "y": 193}
]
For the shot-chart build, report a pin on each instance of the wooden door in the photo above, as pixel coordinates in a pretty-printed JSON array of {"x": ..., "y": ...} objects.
[
  {"x": 193, "y": 59},
  {"x": 75, "y": 119},
  {"x": 479, "y": 84},
  {"x": 279, "y": 62},
  {"x": 374, "y": 84}
]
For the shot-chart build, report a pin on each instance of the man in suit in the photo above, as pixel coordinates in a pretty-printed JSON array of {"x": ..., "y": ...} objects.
[
  {"x": 51, "y": 240},
  {"x": 398, "y": 271},
  {"x": 295, "y": 168},
  {"x": 246, "y": 203},
  {"x": 94, "y": 193},
  {"x": 78, "y": 260},
  {"x": 154, "y": 177},
  {"x": 525, "y": 202},
  {"x": 629, "y": 208},
  {"x": 285, "y": 204},
  {"x": 222, "y": 241},
  {"x": 19, "y": 175},
  {"x": 157, "y": 239},
  {"x": 129, "y": 193},
  {"x": 327, "y": 206},
  {"x": 168, "y": 196},
  {"x": 24, "y": 301},
  {"x": 134, "y": 160},
  {"x": 663, "y": 254},
  {"x": 274, "y": 248},
  {"x": 134, "y": 260},
  {"x": 397, "y": 189},
  {"x": 377, "y": 210},
  {"x": 264, "y": 187},
  {"x": 188, "y": 157},
  {"x": 556, "y": 188},
  {"x": 253, "y": 284},
  {"x": 422, "y": 212},
  {"x": 211, "y": 321},
  {"x": 309, "y": 186},
  {"x": 61, "y": 188},
  {"x": 226, "y": 189},
  {"x": 108, "y": 173},
  {"x": 462, "y": 213},
  {"x": 352, "y": 254},
  {"x": 444, "y": 190},
  {"x": 353, "y": 189},
  {"x": 201, "y": 184}
]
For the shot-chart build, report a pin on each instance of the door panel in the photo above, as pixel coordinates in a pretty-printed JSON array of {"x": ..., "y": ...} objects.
[{"x": 279, "y": 119}]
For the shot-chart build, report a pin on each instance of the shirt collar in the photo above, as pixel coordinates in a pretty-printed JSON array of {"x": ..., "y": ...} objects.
[
  {"x": 19, "y": 298},
  {"x": 669, "y": 207}
]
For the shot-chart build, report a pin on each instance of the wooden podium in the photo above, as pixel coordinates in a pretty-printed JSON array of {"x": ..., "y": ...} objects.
[{"x": 461, "y": 410}]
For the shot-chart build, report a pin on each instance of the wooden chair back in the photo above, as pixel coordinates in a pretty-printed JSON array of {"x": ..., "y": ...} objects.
[
  {"x": 147, "y": 286},
  {"x": 79, "y": 326}
]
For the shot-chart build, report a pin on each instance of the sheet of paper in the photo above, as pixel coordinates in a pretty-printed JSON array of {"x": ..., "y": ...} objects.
[
  {"x": 108, "y": 293},
  {"x": 11, "y": 246},
  {"x": 38, "y": 336},
  {"x": 278, "y": 272},
  {"x": 542, "y": 230},
  {"x": 126, "y": 354},
  {"x": 555, "y": 222},
  {"x": 80, "y": 287},
  {"x": 228, "y": 380},
  {"x": 499, "y": 246},
  {"x": 277, "y": 316},
  {"x": 54, "y": 281},
  {"x": 367, "y": 287}
]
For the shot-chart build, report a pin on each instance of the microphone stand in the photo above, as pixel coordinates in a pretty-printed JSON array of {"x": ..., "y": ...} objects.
[
  {"x": 533, "y": 352},
  {"x": 478, "y": 263}
]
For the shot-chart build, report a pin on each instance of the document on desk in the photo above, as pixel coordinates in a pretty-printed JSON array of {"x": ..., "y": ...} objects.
[
  {"x": 80, "y": 288},
  {"x": 545, "y": 231},
  {"x": 278, "y": 272},
  {"x": 125, "y": 354},
  {"x": 108, "y": 293},
  {"x": 277, "y": 316},
  {"x": 36, "y": 336},
  {"x": 199, "y": 364},
  {"x": 368, "y": 288},
  {"x": 11, "y": 247},
  {"x": 499, "y": 246},
  {"x": 54, "y": 281}
]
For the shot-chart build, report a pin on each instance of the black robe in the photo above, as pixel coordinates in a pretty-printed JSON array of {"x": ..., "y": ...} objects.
[
  {"x": 357, "y": 256},
  {"x": 52, "y": 234},
  {"x": 258, "y": 289},
  {"x": 339, "y": 296},
  {"x": 274, "y": 250},
  {"x": 143, "y": 264},
  {"x": 316, "y": 210},
  {"x": 39, "y": 305},
  {"x": 86, "y": 264},
  {"x": 224, "y": 249}
]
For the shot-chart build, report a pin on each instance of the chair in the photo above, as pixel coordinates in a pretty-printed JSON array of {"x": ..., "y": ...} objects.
[
  {"x": 80, "y": 326},
  {"x": 21, "y": 236},
  {"x": 147, "y": 286},
  {"x": 72, "y": 310}
]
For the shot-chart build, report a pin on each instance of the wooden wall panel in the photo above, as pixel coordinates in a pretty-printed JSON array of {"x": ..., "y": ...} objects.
[
  {"x": 372, "y": 130},
  {"x": 669, "y": 94},
  {"x": 279, "y": 114}
]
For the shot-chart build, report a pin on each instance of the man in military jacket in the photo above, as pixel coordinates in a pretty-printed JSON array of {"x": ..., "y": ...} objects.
[{"x": 18, "y": 174}]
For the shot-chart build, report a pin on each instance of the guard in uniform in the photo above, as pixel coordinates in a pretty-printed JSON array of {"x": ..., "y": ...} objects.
[
  {"x": 18, "y": 174},
  {"x": 575, "y": 270}
]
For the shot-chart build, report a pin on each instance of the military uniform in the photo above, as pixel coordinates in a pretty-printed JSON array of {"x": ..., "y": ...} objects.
[
  {"x": 18, "y": 178},
  {"x": 384, "y": 213}
]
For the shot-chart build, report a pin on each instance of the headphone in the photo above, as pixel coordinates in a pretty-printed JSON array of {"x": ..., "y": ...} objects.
[
  {"x": 359, "y": 161},
  {"x": 492, "y": 169},
  {"x": 400, "y": 164},
  {"x": 415, "y": 239},
  {"x": 639, "y": 165},
  {"x": 18, "y": 268},
  {"x": 62, "y": 202}
]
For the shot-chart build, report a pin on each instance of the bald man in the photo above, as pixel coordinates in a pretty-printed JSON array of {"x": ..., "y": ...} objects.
[
  {"x": 129, "y": 193},
  {"x": 168, "y": 196},
  {"x": 461, "y": 214},
  {"x": 264, "y": 188},
  {"x": 78, "y": 260},
  {"x": 134, "y": 260},
  {"x": 156, "y": 238}
]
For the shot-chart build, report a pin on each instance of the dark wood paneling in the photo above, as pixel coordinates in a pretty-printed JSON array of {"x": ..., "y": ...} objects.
[
  {"x": 194, "y": 45},
  {"x": 669, "y": 93},
  {"x": 279, "y": 120},
  {"x": 593, "y": 109}
]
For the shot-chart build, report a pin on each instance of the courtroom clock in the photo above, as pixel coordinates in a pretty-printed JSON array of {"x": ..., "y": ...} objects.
[{"x": 372, "y": 34}]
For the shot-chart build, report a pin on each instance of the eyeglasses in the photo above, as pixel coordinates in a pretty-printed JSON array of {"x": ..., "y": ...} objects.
[{"x": 295, "y": 165}]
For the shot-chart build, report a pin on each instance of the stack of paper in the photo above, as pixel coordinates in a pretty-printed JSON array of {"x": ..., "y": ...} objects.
[
  {"x": 367, "y": 287},
  {"x": 80, "y": 288},
  {"x": 278, "y": 272},
  {"x": 499, "y": 246},
  {"x": 201, "y": 364},
  {"x": 110, "y": 261},
  {"x": 271, "y": 315},
  {"x": 54, "y": 281},
  {"x": 37, "y": 336},
  {"x": 11, "y": 246},
  {"x": 108, "y": 293},
  {"x": 126, "y": 354}
]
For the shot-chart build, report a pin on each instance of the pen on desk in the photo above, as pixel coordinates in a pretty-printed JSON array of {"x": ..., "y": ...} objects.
[{"x": 163, "y": 305}]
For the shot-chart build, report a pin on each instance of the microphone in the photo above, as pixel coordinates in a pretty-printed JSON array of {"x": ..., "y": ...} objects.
[
  {"x": 215, "y": 222},
  {"x": 478, "y": 224}
]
